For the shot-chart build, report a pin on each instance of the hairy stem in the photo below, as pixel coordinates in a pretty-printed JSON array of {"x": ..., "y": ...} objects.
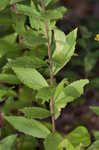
[{"x": 50, "y": 68}]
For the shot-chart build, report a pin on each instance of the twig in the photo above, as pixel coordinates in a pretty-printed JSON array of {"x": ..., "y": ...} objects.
[{"x": 50, "y": 68}]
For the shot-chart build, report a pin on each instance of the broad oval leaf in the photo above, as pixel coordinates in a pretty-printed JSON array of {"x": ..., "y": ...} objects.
[
  {"x": 28, "y": 126},
  {"x": 30, "y": 77}
]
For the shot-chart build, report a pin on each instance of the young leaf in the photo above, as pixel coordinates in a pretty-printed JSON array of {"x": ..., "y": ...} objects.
[
  {"x": 78, "y": 136},
  {"x": 70, "y": 93},
  {"x": 95, "y": 109},
  {"x": 65, "y": 46},
  {"x": 52, "y": 141},
  {"x": 30, "y": 77},
  {"x": 36, "y": 112},
  {"x": 7, "y": 142},
  {"x": 28, "y": 126}
]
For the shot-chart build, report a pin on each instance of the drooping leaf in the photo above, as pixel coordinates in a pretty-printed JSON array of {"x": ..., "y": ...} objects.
[
  {"x": 95, "y": 109},
  {"x": 30, "y": 77},
  {"x": 36, "y": 112},
  {"x": 78, "y": 136},
  {"x": 70, "y": 93},
  {"x": 28, "y": 126},
  {"x": 65, "y": 46},
  {"x": 7, "y": 142},
  {"x": 52, "y": 141}
]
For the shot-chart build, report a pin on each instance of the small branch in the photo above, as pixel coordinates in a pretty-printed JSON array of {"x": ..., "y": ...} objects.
[{"x": 50, "y": 68}]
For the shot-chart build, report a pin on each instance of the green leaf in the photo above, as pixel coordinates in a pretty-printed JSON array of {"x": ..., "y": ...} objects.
[
  {"x": 65, "y": 46},
  {"x": 32, "y": 40},
  {"x": 78, "y": 136},
  {"x": 95, "y": 109},
  {"x": 66, "y": 144},
  {"x": 26, "y": 10},
  {"x": 96, "y": 135},
  {"x": 7, "y": 142},
  {"x": 70, "y": 93},
  {"x": 28, "y": 126},
  {"x": 59, "y": 88},
  {"x": 94, "y": 146},
  {"x": 55, "y": 14},
  {"x": 93, "y": 84},
  {"x": 90, "y": 60},
  {"x": 27, "y": 62},
  {"x": 45, "y": 93},
  {"x": 9, "y": 78},
  {"x": 5, "y": 92},
  {"x": 10, "y": 38},
  {"x": 8, "y": 48},
  {"x": 52, "y": 141},
  {"x": 5, "y": 18},
  {"x": 15, "y": 1},
  {"x": 3, "y": 4},
  {"x": 35, "y": 80},
  {"x": 36, "y": 112}
]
